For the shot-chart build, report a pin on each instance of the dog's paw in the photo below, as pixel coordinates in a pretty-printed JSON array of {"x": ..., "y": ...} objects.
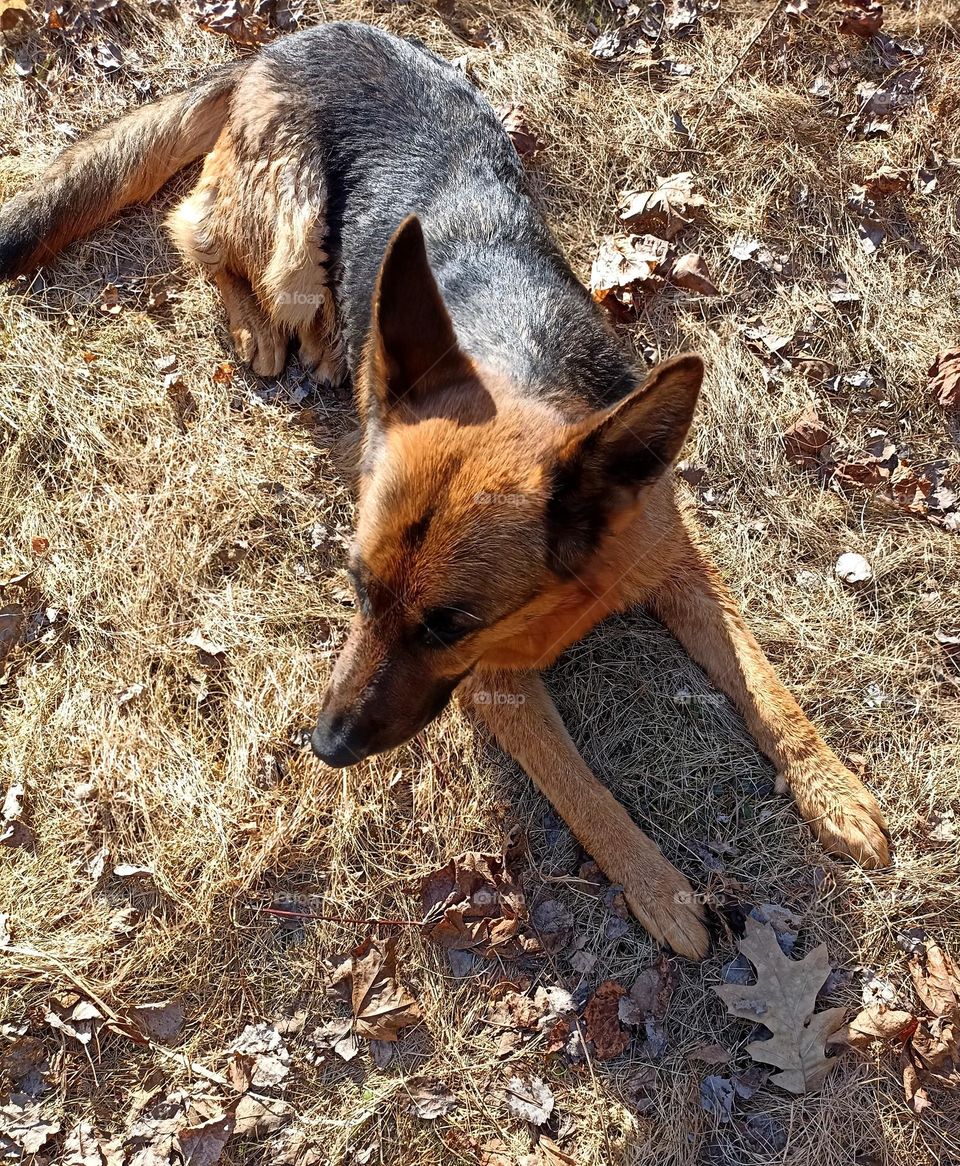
[
  {"x": 841, "y": 811},
  {"x": 667, "y": 906},
  {"x": 263, "y": 348}
]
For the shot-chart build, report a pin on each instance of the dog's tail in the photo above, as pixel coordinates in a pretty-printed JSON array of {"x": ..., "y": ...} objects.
[{"x": 123, "y": 163}]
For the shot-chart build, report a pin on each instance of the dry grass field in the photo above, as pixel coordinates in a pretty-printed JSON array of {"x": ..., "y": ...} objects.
[{"x": 152, "y": 500}]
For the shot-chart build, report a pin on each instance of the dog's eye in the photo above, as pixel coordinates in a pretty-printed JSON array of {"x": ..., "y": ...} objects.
[
  {"x": 356, "y": 580},
  {"x": 444, "y": 626}
]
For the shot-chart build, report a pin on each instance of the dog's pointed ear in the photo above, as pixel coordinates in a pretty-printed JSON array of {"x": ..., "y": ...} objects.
[
  {"x": 612, "y": 456},
  {"x": 414, "y": 348}
]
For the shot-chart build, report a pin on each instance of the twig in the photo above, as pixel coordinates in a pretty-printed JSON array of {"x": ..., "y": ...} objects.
[
  {"x": 736, "y": 65},
  {"x": 342, "y": 918}
]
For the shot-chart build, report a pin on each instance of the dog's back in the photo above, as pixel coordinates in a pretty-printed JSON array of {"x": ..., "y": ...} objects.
[{"x": 402, "y": 131}]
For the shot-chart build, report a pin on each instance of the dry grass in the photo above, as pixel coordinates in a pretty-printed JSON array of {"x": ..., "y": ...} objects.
[{"x": 223, "y": 508}]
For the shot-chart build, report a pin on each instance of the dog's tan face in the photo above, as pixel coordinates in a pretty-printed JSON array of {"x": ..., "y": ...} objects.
[{"x": 479, "y": 514}]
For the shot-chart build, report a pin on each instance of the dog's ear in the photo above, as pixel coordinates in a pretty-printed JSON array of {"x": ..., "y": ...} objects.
[
  {"x": 414, "y": 349},
  {"x": 608, "y": 460}
]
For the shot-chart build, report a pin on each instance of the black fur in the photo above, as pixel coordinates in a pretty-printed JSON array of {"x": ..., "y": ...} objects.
[{"x": 402, "y": 131}]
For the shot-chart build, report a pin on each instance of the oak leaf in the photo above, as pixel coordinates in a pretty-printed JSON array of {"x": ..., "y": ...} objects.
[
  {"x": 783, "y": 999},
  {"x": 625, "y": 266}
]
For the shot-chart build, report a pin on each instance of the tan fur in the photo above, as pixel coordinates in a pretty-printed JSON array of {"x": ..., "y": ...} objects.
[
  {"x": 259, "y": 215},
  {"x": 650, "y": 555},
  {"x": 121, "y": 164}
]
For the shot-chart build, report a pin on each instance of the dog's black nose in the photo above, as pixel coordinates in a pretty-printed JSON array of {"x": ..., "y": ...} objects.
[{"x": 331, "y": 741}]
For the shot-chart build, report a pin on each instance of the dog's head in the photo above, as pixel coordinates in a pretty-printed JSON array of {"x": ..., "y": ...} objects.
[{"x": 481, "y": 513}]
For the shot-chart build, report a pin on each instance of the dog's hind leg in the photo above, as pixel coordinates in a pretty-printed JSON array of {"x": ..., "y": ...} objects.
[
  {"x": 519, "y": 712},
  {"x": 692, "y": 601}
]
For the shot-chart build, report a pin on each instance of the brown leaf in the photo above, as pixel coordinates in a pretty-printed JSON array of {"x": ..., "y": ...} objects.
[
  {"x": 24, "y": 1126},
  {"x": 82, "y": 1147},
  {"x": 936, "y": 979},
  {"x": 625, "y": 266},
  {"x": 887, "y": 180},
  {"x": 710, "y": 1054},
  {"x": 864, "y": 20},
  {"x": 784, "y": 1000},
  {"x": 875, "y": 1023},
  {"x": 805, "y": 438},
  {"x": 602, "y": 1021},
  {"x": 944, "y": 377},
  {"x": 480, "y": 904},
  {"x": 240, "y": 21},
  {"x": 12, "y": 14},
  {"x": 202, "y": 1145},
  {"x": 429, "y": 1098},
  {"x": 524, "y": 138},
  {"x": 690, "y": 272},
  {"x": 667, "y": 208},
  {"x": 367, "y": 979},
  {"x": 160, "y": 1022},
  {"x": 110, "y": 300}
]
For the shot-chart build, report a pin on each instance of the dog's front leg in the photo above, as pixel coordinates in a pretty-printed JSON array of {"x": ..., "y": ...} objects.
[
  {"x": 517, "y": 709},
  {"x": 694, "y": 603}
]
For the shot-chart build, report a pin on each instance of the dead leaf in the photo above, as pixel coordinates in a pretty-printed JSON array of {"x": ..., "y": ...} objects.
[
  {"x": 270, "y": 1064},
  {"x": 944, "y": 376},
  {"x": 549, "y": 1011},
  {"x": 83, "y": 1147},
  {"x": 863, "y": 20},
  {"x": 246, "y": 22},
  {"x": 529, "y": 1098},
  {"x": 626, "y": 266},
  {"x": 429, "y": 1098},
  {"x": 13, "y": 13},
  {"x": 110, "y": 300},
  {"x": 160, "y": 1022},
  {"x": 887, "y": 180},
  {"x": 514, "y": 120},
  {"x": 202, "y": 1145},
  {"x": 602, "y": 1021},
  {"x": 717, "y": 1097},
  {"x": 875, "y": 1023},
  {"x": 690, "y": 272},
  {"x": 936, "y": 979},
  {"x": 710, "y": 1054},
  {"x": 22, "y": 1123},
  {"x": 881, "y": 105},
  {"x": 669, "y": 207},
  {"x": 257, "y": 1115},
  {"x": 478, "y": 903},
  {"x": 366, "y": 979},
  {"x": 804, "y": 440},
  {"x": 783, "y": 1000}
]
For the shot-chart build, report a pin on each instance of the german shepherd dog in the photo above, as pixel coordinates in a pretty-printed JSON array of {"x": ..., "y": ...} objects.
[{"x": 360, "y": 197}]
